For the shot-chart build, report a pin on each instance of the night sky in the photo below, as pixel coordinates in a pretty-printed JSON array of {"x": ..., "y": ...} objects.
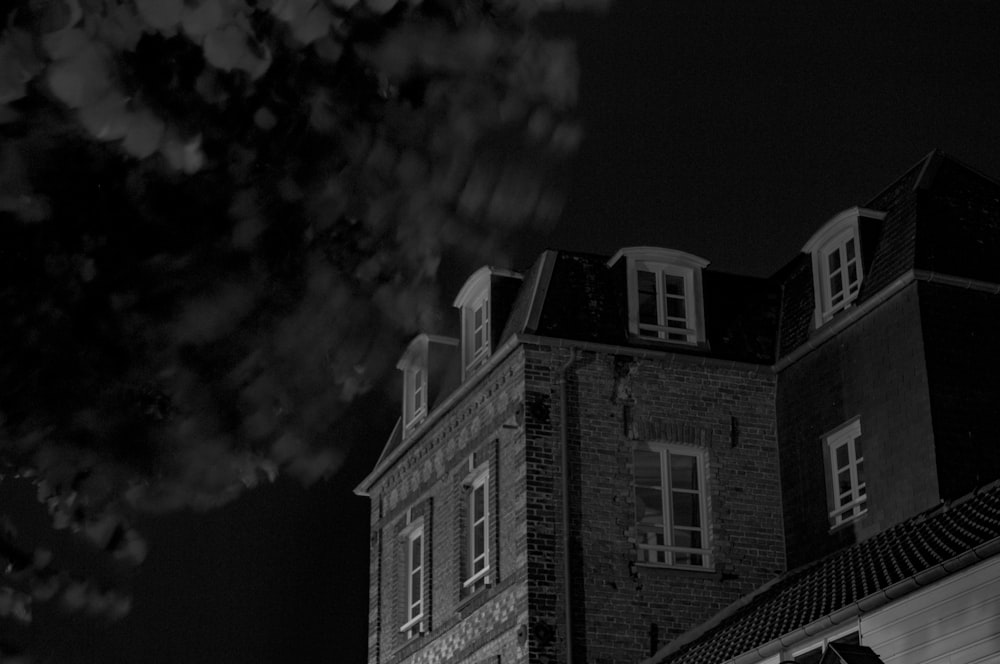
[{"x": 729, "y": 130}]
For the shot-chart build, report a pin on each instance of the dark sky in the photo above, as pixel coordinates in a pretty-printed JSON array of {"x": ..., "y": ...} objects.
[{"x": 729, "y": 130}]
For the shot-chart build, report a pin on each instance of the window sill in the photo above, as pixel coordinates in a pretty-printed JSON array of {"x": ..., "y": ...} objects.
[
  {"x": 638, "y": 339},
  {"x": 699, "y": 572},
  {"x": 416, "y": 622},
  {"x": 846, "y": 522},
  {"x": 483, "y": 575}
]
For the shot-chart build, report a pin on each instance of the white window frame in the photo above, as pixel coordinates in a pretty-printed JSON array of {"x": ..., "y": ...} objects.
[
  {"x": 847, "y": 435},
  {"x": 414, "y": 624},
  {"x": 831, "y": 238},
  {"x": 414, "y": 384},
  {"x": 476, "y": 355},
  {"x": 479, "y": 478},
  {"x": 668, "y": 549},
  {"x": 663, "y": 262},
  {"x": 475, "y": 295}
]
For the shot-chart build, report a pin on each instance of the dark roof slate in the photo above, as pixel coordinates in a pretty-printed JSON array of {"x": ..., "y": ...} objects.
[
  {"x": 802, "y": 596},
  {"x": 587, "y": 301}
]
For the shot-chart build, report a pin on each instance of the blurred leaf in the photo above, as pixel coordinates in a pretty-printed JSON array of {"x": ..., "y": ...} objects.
[
  {"x": 144, "y": 133},
  {"x": 80, "y": 79},
  {"x": 206, "y": 16},
  {"x": 107, "y": 119},
  {"x": 162, "y": 15}
]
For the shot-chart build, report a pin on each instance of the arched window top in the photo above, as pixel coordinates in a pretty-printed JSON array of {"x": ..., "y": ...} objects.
[
  {"x": 836, "y": 261},
  {"x": 838, "y": 224},
  {"x": 659, "y": 255}
]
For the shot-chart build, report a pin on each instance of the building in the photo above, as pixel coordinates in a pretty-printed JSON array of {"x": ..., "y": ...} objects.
[{"x": 618, "y": 451}]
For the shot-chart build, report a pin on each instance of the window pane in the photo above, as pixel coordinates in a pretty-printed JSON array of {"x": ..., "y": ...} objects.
[
  {"x": 858, "y": 453},
  {"x": 844, "y": 481},
  {"x": 861, "y": 472},
  {"x": 479, "y": 539},
  {"x": 647, "y": 297},
  {"x": 674, "y": 285},
  {"x": 833, "y": 260},
  {"x": 478, "y": 502},
  {"x": 647, "y": 468},
  {"x": 676, "y": 308},
  {"x": 842, "y": 458},
  {"x": 415, "y": 589},
  {"x": 648, "y": 506},
  {"x": 687, "y": 538},
  {"x": 683, "y": 471},
  {"x": 836, "y": 287},
  {"x": 686, "y": 509},
  {"x": 415, "y": 553},
  {"x": 850, "y": 249},
  {"x": 852, "y": 273}
]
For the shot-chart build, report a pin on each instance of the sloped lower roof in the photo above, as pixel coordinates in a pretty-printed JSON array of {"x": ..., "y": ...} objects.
[{"x": 937, "y": 542}]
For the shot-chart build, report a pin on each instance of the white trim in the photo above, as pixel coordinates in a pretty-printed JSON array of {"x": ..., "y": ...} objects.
[
  {"x": 664, "y": 451},
  {"x": 833, "y": 236},
  {"x": 661, "y": 263},
  {"x": 415, "y": 531},
  {"x": 480, "y": 479},
  {"x": 846, "y": 435}
]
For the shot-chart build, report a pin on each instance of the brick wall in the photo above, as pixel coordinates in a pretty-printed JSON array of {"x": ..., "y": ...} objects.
[
  {"x": 874, "y": 369},
  {"x": 620, "y": 606},
  {"x": 486, "y": 425},
  {"x": 961, "y": 331}
]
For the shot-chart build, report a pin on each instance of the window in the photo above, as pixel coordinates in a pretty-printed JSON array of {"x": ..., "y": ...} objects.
[
  {"x": 477, "y": 331},
  {"x": 414, "y": 395},
  {"x": 664, "y": 294},
  {"x": 670, "y": 509},
  {"x": 415, "y": 556},
  {"x": 836, "y": 261},
  {"x": 477, "y": 528},
  {"x": 479, "y": 310},
  {"x": 846, "y": 473},
  {"x": 839, "y": 273}
]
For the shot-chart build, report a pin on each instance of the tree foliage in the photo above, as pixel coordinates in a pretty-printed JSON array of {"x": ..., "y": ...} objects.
[{"x": 217, "y": 219}]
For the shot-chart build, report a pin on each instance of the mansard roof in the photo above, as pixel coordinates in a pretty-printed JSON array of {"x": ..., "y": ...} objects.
[
  {"x": 889, "y": 565},
  {"x": 585, "y": 301},
  {"x": 942, "y": 217}
]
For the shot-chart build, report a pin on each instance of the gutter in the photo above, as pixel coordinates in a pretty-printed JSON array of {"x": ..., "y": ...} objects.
[
  {"x": 874, "y": 601},
  {"x": 564, "y": 480},
  {"x": 866, "y": 604}
]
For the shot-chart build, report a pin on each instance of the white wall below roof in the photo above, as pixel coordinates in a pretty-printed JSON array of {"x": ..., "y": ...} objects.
[{"x": 953, "y": 621}]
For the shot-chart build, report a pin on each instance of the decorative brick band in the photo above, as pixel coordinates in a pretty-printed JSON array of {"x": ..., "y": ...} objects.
[{"x": 667, "y": 430}]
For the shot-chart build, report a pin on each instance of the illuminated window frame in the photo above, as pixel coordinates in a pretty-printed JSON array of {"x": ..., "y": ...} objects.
[
  {"x": 656, "y": 542},
  {"x": 664, "y": 263},
  {"x": 845, "y": 460},
  {"x": 836, "y": 286},
  {"x": 477, "y": 549},
  {"x": 414, "y": 576}
]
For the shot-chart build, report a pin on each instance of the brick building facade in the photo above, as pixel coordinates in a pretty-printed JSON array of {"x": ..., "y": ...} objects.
[{"x": 616, "y": 449}]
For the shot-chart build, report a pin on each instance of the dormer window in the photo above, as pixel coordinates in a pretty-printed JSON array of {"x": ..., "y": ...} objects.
[
  {"x": 414, "y": 395},
  {"x": 664, "y": 294},
  {"x": 478, "y": 306},
  {"x": 836, "y": 259},
  {"x": 422, "y": 365},
  {"x": 477, "y": 324}
]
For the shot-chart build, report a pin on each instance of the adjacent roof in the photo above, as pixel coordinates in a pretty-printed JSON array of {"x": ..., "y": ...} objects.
[
  {"x": 860, "y": 578},
  {"x": 941, "y": 216}
]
